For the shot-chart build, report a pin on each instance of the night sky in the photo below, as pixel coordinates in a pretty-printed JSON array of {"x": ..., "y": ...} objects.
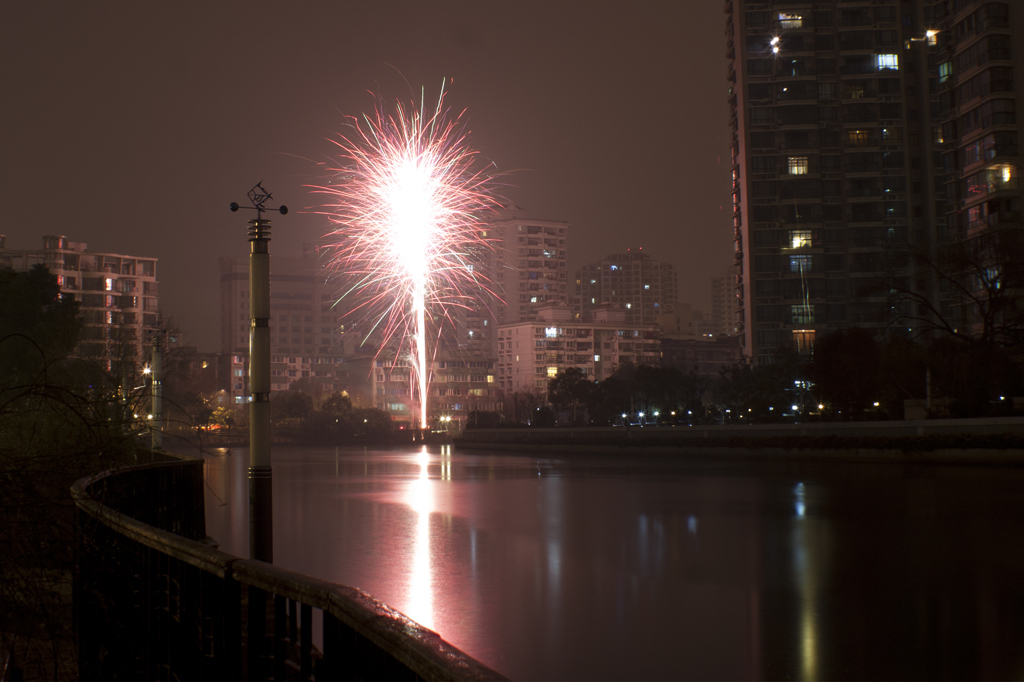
[{"x": 132, "y": 126}]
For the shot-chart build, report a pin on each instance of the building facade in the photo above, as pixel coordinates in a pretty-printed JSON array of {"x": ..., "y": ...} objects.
[
  {"x": 458, "y": 386},
  {"x": 976, "y": 77},
  {"x": 642, "y": 285},
  {"x": 702, "y": 357},
  {"x": 533, "y": 352},
  {"x": 866, "y": 136},
  {"x": 724, "y": 305},
  {"x": 528, "y": 265},
  {"x": 118, "y": 297}
]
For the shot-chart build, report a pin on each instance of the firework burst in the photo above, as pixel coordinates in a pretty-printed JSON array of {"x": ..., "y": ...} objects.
[{"x": 407, "y": 206}]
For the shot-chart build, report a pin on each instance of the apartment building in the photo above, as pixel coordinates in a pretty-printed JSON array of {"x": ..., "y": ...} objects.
[
  {"x": 528, "y": 264},
  {"x": 118, "y": 296},
  {"x": 975, "y": 80},
  {"x": 531, "y": 353},
  {"x": 643, "y": 286},
  {"x": 866, "y": 135},
  {"x": 458, "y": 386},
  {"x": 723, "y": 305}
]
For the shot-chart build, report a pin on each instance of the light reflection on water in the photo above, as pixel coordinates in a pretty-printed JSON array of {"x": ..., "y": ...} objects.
[
  {"x": 420, "y": 498},
  {"x": 633, "y": 568}
]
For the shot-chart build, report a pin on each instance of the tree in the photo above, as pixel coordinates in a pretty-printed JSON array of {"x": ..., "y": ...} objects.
[
  {"x": 519, "y": 406},
  {"x": 982, "y": 283},
  {"x": 761, "y": 392},
  {"x": 223, "y": 417},
  {"x": 658, "y": 389},
  {"x": 847, "y": 370},
  {"x": 543, "y": 417},
  {"x": 479, "y": 419},
  {"x": 980, "y": 379},
  {"x": 902, "y": 374},
  {"x": 60, "y": 419},
  {"x": 292, "y": 405},
  {"x": 338, "y": 406},
  {"x": 37, "y": 324},
  {"x": 371, "y": 421},
  {"x": 610, "y": 399},
  {"x": 569, "y": 392}
]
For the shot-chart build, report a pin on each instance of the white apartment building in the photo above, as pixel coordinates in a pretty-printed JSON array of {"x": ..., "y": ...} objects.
[
  {"x": 524, "y": 268},
  {"x": 457, "y": 387},
  {"x": 533, "y": 352},
  {"x": 117, "y": 294}
]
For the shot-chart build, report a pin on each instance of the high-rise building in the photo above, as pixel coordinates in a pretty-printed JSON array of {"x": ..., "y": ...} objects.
[
  {"x": 117, "y": 295},
  {"x": 723, "y": 305},
  {"x": 527, "y": 266},
  {"x": 867, "y": 136},
  {"x": 642, "y": 285},
  {"x": 976, "y": 78}
]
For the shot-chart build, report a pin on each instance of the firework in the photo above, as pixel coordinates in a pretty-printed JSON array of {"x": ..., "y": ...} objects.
[{"x": 406, "y": 206}]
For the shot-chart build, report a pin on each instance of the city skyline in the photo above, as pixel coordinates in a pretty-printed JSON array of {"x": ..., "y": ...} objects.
[{"x": 136, "y": 127}]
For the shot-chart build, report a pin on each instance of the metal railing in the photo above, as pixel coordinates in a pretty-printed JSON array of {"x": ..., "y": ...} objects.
[{"x": 155, "y": 604}]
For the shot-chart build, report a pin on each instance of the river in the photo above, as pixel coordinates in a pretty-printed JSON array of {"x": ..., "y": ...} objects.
[{"x": 622, "y": 567}]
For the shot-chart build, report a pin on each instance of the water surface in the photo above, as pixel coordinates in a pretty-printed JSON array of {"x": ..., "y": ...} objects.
[{"x": 661, "y": 568}]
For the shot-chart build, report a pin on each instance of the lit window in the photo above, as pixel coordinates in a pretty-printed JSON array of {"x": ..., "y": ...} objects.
[
  {"x": 802, "y": 314},
  {"x": 597, "y": 358},
  {"x": 647, "y": 286},
  {"x": 945, "y": 71},
  {"x": 614, "y": 267},
  {"x": 886, "y": 61},
  {"x": 533, "y": 299},
  {"x": 857, "y": 138},
  {"x": 803, "y": 339},
  {"x": 800, "y": 263},
  {"x": 551, "y": 332},
  {"x": 790, "y": 20},
  {"x": 798, "y": 165},
  {"x": 799, "y": 239},
  {"x": 552, "y": 372},
  {"x": 932, "y": 36}
]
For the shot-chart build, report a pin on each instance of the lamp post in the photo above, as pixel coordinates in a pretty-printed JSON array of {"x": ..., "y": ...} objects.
[
  {"x": 261, "y": 503},
  {"x": 156, "y": 378},
  {"x": 261, "y": 476}
]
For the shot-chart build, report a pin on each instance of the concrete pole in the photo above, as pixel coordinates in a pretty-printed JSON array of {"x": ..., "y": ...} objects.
[
  {"x": 261, "y": 515},
  {"x": 156, "y": 426}
]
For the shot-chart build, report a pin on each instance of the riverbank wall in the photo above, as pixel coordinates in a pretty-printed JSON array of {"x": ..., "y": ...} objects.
[{"x": 961, "y": 441}]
